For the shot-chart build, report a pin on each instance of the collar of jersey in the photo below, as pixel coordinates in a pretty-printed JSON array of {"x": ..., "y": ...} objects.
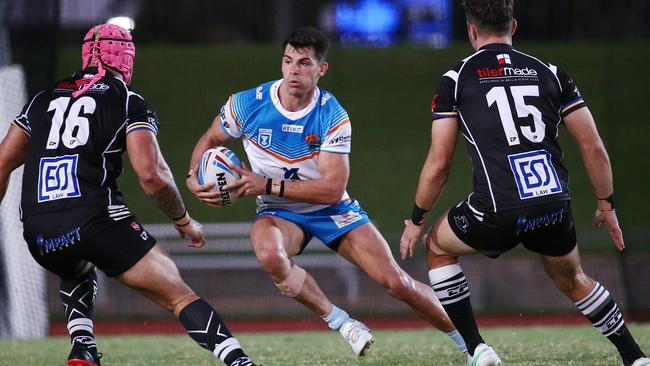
[
  {"x": 292, "y": 115},
  {"x": 493, "y": 46}
]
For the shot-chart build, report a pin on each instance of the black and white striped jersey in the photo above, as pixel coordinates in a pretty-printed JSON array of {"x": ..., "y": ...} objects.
[
  {"x": 509, "y": 106},
  {"x": 76, "y": 144}
]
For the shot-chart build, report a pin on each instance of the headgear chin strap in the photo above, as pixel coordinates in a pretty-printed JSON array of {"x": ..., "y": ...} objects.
[{"x": 107, "y": 45}]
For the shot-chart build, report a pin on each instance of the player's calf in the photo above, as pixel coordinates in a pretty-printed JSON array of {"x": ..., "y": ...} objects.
[
  {"x": 293, "y": 283},
  {"x": 599, "y": 307},
  {"x": 78, "y": 298},
  {"x": 204, "y": 325}
]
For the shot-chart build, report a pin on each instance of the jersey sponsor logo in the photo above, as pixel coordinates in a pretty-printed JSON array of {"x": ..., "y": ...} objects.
[
  {"x": 222, "y": 116},
  {"x": 346, "y": 219},
  {"x": 57, "y": 178},
  {"x": 258, "y": 93},
  {"x": 97, "y": 87},
  {"x": 58, "y": 242},
  {"x": 525, "y": 224},
  {"x": 312, "y": 141},
  {"x": 68, "y": 85},
  {"x": 534, "y": 174},
  {"x": 292, "y": 128},
  {"x": 325, "y": 98},
  {"x": 341, "y": 140},
  {"x": 264, "y": 136},
  {"x": 504, "y": 59},
  {"x": 487, "y": 72},
  {"x": 291, "y": 174}
]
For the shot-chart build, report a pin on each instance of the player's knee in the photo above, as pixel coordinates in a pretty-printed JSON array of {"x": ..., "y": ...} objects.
[
  {"x": 571, "y": 282},
  {"x": 294, "y": 282},
  {"x": 271, "y": 261},
  {"x": 400, "y": 285}
]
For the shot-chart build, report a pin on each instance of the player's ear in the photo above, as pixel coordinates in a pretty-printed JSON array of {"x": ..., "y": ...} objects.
[
  {"x": 514, "y": 26},
  {"x": 323, "y": 68},
  {"x": 472, "y": 32}
]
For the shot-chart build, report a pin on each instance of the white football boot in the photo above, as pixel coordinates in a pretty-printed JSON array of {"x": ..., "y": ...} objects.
[
  {"x": 643, "y": 361},
  {"x": 484, "y": 355},
  {"x": 357, "y": 335}
]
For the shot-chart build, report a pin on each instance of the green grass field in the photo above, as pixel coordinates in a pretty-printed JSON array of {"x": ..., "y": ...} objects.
[{"x": 566, "y": 345}]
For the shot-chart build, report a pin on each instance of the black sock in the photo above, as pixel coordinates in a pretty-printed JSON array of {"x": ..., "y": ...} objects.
[
  {"x": 599, "y": 307},
  {"x": 451, "y": 289},
  {"x": 78, "y": 297},
  {"x": 207, "y": 329}
]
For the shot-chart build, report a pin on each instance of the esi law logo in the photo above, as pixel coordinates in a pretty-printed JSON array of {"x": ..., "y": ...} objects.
[
  {"x": 534, "y": 174},
  {"x": 57, "y": 178}
]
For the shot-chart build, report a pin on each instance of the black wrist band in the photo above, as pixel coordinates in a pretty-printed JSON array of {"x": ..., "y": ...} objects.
[
  {"x": 281, "y": 189},
  {"x": 269, "y": 183},
  {"x": 185, "y": 224},
  {"x": 609, "y": 199},
  {"x": 417, "y": 216}
]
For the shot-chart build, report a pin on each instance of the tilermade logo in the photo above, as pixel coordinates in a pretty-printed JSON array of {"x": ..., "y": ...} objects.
[{"x": 487, "y": 72}]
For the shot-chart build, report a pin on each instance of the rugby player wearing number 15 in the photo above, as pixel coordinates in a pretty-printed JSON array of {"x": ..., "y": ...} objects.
[{"x": 509, "y": 105}]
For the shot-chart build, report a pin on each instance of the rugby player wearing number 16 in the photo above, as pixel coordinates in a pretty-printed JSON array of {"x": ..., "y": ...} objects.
[
  {"x": 509, "y": 105},
  {"x": 71, "y": 139}
]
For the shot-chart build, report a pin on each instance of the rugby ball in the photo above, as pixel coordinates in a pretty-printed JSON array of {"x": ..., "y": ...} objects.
[{"x": 215, "y": 168}]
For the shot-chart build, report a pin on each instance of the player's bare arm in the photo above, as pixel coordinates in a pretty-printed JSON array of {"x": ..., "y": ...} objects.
[
  {"x": 214, "y": 136},
  {"x": 327, "y": 190},
  {"x": 582, "y": 127},
  {"x": 13, "y": 151},
  {"x": 158, "y": 183},
  {"x": 432, "y": 178}
]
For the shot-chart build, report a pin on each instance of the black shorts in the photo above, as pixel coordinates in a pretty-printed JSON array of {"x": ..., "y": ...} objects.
[
  {"x": 63, "y": 241},
  {"x": 546, "y": 229}
]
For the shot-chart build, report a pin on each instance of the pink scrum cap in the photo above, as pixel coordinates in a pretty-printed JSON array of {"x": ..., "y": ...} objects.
[{"x": 107, "y": 45}]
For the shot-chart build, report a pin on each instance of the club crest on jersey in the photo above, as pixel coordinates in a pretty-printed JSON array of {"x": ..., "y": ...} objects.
[
  {"x": 504, "y": 59},
  {"x": 136, "y": 226},
  {"x": 461, "y": 223},
  {"x": 312, "y": 141},
  {"x": 264, "y": 136}
]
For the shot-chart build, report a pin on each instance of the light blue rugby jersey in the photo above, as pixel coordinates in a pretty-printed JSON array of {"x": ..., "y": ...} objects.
[{"x": 283, "y": 144}]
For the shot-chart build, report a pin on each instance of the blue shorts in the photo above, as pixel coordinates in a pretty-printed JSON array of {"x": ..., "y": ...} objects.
[{"x": 327, "y": 224}]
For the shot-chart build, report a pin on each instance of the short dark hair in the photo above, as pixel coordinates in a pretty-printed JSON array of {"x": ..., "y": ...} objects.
[
  {"x": 308, "y": 37},
  {"x": 492, "y": 15}
]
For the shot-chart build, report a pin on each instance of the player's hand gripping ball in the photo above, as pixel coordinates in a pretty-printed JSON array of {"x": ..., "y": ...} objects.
[{"x": 215, "y": 168}]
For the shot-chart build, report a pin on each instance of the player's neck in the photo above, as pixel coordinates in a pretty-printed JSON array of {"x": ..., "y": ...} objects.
[
  {"x": 293, "y": 102},
  {"x": 482, "y": 41}
]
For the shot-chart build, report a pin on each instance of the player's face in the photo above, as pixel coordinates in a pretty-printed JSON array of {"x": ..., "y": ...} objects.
[{"x": 301, "y": 70}]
